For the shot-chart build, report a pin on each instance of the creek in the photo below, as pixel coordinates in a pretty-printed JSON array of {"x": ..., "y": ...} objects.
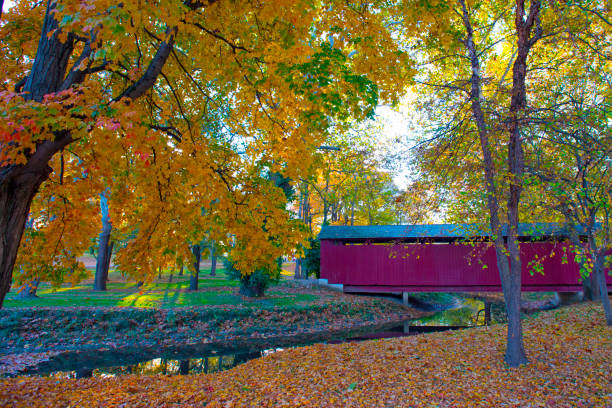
[{"x": 213, "y": 357}]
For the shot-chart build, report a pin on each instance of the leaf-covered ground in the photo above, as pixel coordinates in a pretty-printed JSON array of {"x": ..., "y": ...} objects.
[
  {"x": 569, "y": 352},
  {"x": 29, "y": 334}
]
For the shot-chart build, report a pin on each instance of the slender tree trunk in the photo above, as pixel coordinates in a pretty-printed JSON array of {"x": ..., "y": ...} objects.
[
  {"x": 590, "y": 287},
  {"x": 103, "y": 260},
  {"x": 159, "y": 272},
  {"x": 353, "y": 198},
  {"x": 195, "y": 275},
  {"x": 509, "y": 266},
  {"x": 600, "y": 275},
  {"x": 213, "y": 260},
  {"x": 528, "y": 32},
  {"x": 105, "y": 247},
  {"x": 181, "y": 270},
  {"x": 297, "y": 274},
  {"x": 325, "y": 200}
]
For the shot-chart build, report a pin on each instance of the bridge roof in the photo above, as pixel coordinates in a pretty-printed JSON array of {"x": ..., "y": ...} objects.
[{"x": 437, "y": 231}]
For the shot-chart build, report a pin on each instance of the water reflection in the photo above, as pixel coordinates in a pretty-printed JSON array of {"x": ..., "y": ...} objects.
[
  {"x": 164, "y": 366},
  {"x": 471, "y": 312}
]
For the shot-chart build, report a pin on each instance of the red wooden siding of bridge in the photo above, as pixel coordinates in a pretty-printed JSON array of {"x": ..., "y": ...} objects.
[{"x": 441, "y": 267}]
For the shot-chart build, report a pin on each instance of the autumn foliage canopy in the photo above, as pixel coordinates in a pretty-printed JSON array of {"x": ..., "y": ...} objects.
[{"x": 181, "y": 111}]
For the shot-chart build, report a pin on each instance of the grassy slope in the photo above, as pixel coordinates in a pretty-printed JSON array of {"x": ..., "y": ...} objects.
[{"x": 568, "y": 349}]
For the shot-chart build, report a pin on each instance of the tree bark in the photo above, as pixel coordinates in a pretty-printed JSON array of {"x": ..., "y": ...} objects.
[
  {"x": 195, "y": 275},
  {"x": 84, "y": 373},
  {"x": 213, "y": 260},
  {"x": 528, "y": 32},
  {"x": 509, "y": 266},
  {"x": 105, "y": 247},
  {"x": 297, "y": 272},
  {"x": 600, "y": 275},
  {"x": 20, "y": 183},
  {"x": 487, "y": 313},
  {"x": 590, "y": 287}
]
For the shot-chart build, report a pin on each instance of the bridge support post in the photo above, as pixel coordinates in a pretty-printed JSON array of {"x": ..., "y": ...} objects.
[
  {"x": 406, "y": 327},
  {"x": 405, "y": 298}
]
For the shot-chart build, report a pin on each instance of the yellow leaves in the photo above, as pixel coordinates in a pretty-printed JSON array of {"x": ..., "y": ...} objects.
[{"x": 167, "y": 156}]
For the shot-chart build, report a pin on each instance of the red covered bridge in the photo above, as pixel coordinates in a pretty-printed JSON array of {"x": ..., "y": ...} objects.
[{"x": 439, "y": 258}]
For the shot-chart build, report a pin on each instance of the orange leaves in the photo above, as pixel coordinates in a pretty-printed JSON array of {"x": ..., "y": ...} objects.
[
  {"x": 569, "y": 367},
  {"x": 171, "y": 153}
]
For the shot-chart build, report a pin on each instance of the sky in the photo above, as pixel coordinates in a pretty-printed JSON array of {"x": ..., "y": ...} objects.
[{"x": 7, "y": 4}]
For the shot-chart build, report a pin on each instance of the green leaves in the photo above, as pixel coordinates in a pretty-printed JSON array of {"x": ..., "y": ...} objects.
[{"x": 328, "y": 80}]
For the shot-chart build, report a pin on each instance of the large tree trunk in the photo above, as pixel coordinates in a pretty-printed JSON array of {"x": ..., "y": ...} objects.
[
  {"x": 184, "y": 367},
  {"x": 195, "y": 275},
  {"x": 18, "y": 185}
]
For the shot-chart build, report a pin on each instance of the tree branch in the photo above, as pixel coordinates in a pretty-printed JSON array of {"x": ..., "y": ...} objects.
[{"x": 147, "y": 80}]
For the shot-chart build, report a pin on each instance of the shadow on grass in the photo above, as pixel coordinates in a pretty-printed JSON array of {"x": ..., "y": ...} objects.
[{"x": 214, "y": 291}]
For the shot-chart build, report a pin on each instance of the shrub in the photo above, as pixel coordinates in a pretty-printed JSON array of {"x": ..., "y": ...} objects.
[
  {"x": 255, "y": 284},
  {"x": 312, "y": 258}
]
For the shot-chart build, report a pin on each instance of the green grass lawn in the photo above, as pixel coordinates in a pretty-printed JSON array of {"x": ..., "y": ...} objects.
[{"x": 216, "y": 290}]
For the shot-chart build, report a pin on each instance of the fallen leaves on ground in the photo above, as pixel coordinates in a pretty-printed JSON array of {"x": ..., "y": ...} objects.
[
  {"x": 40, "y": 330},
  {"x": 14, "y": 363},
  {"x": 569, "y": 353}
]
